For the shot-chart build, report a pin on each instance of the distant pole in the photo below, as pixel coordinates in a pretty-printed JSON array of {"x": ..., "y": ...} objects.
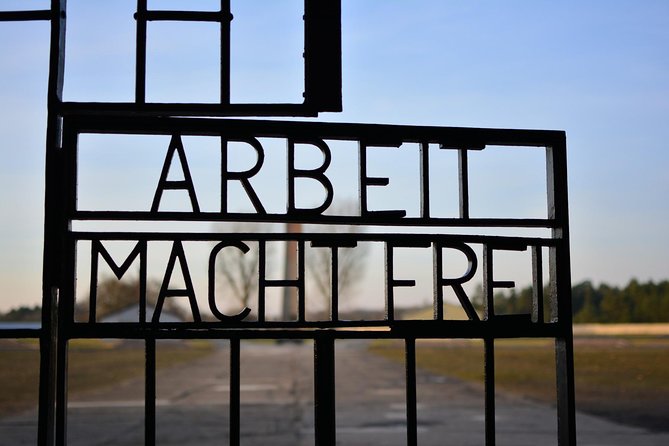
[{"x": 290, "y": 273}]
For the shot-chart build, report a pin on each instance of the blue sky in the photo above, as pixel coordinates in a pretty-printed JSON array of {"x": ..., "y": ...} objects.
[{"x": 598, "y": 70}]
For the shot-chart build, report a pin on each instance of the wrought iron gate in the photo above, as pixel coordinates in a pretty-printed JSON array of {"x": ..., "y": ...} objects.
[{"x": 64, "y": 238}]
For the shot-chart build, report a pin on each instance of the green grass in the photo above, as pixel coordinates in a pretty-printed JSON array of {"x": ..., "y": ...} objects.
[
  {"x": 623, "y": 379},
  {"x": 92, "y": 364}
]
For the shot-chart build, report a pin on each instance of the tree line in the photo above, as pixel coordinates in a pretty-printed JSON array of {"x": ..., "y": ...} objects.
[
  {"x": 634, "y": 302},
  {"x": 22, "y": 314}
]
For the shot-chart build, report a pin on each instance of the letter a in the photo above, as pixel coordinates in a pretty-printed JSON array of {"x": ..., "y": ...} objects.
[
  {"x": 166, "y": 291},
  {"x": 185, "y": 184}
]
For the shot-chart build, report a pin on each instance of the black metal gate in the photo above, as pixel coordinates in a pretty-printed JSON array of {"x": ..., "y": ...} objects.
[{"x": 64, "y": 236}]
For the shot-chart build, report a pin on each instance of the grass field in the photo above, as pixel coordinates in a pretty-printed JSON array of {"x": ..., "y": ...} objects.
[
  {"x": 624, "y": 379},
  {"x": 92, "y": 364}
]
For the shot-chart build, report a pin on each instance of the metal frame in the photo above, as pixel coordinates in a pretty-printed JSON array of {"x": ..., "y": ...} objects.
[
  {"x": 66, "y": 121},
  {"x": 322, "y": 63}
]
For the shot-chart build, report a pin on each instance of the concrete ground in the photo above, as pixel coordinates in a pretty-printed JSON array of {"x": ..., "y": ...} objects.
[{"x": 277, "y": 407}]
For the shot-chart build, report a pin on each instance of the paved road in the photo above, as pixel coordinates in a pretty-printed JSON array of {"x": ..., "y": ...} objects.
[{"x": 277, "y": 407}]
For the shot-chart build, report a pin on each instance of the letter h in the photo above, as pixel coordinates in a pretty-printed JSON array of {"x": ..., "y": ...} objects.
[{"x": 298, "y": 282}]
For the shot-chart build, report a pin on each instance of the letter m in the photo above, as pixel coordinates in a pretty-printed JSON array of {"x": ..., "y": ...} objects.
[{"x": 97, "y": 250}]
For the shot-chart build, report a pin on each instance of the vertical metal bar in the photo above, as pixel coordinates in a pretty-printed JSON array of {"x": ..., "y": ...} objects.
[
  {"x": 293, "y": 268},
  {"x": 324, "y": 390},
  {"x": 412, "y": 416},
  {"x": 225, "y": 51},
  {"x": 234, "y": 391},
  {"x": 463, "y": 178},
  {"x": 262, "y": 271},
  {"x": 537, "y": 285},
  {"x": 489, "y": 376},
  {"x": 301, "y": 288},
  {"x": 150, "y": 393},
  {"x": 334, "y": 292},
  {"x": 67, "y": 270},
  {"x": 290, "y": 192},
  {"x": 322, "y": 55},
  {"x": 566, "y": 407},
  {"x": 390, "y": 290},
  {"x": 560, "y": 271},
  {"x": 47, "y": 383},
  {"x": 56, "y": 59},
  {"x": 425, "y": 180},
  {"x": 488, "y": 302},
  {"x": 142, "y": 283},
  {"x": 63, "y": 161},
  {"x": 140, "y": 53},
  {"x": 553, "y": 284},
  {"x": 438, "y": 298},
  {"x": 362, "y": 175},
  {"x": 61, "y": 389},
  {"x": 66, "y": 280},
  {"x": 93, "y": 291},
  {"x": 53, "y": 218},
  {"x": 225, "y": 147}
]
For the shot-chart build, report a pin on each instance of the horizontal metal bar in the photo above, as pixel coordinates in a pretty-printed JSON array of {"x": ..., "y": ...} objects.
[
  {"x": 321, "y": 238},
  {"x": 20, "y": 333},
  {"x": 462, "y": 137},
  {"x": 375, "y": 220},
  {"x": 24, "y": 16},
  {"x": 281, "y": 283},
  {"x": 184, "y": 16},
  {"x": 424, "y": 329},
  {"x": 153, "y": 109}
]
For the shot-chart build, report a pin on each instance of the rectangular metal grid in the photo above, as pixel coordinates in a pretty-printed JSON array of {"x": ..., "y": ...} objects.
[
  {"x": 324, "y": 333},
  {"x": 322, "y": 62}
]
